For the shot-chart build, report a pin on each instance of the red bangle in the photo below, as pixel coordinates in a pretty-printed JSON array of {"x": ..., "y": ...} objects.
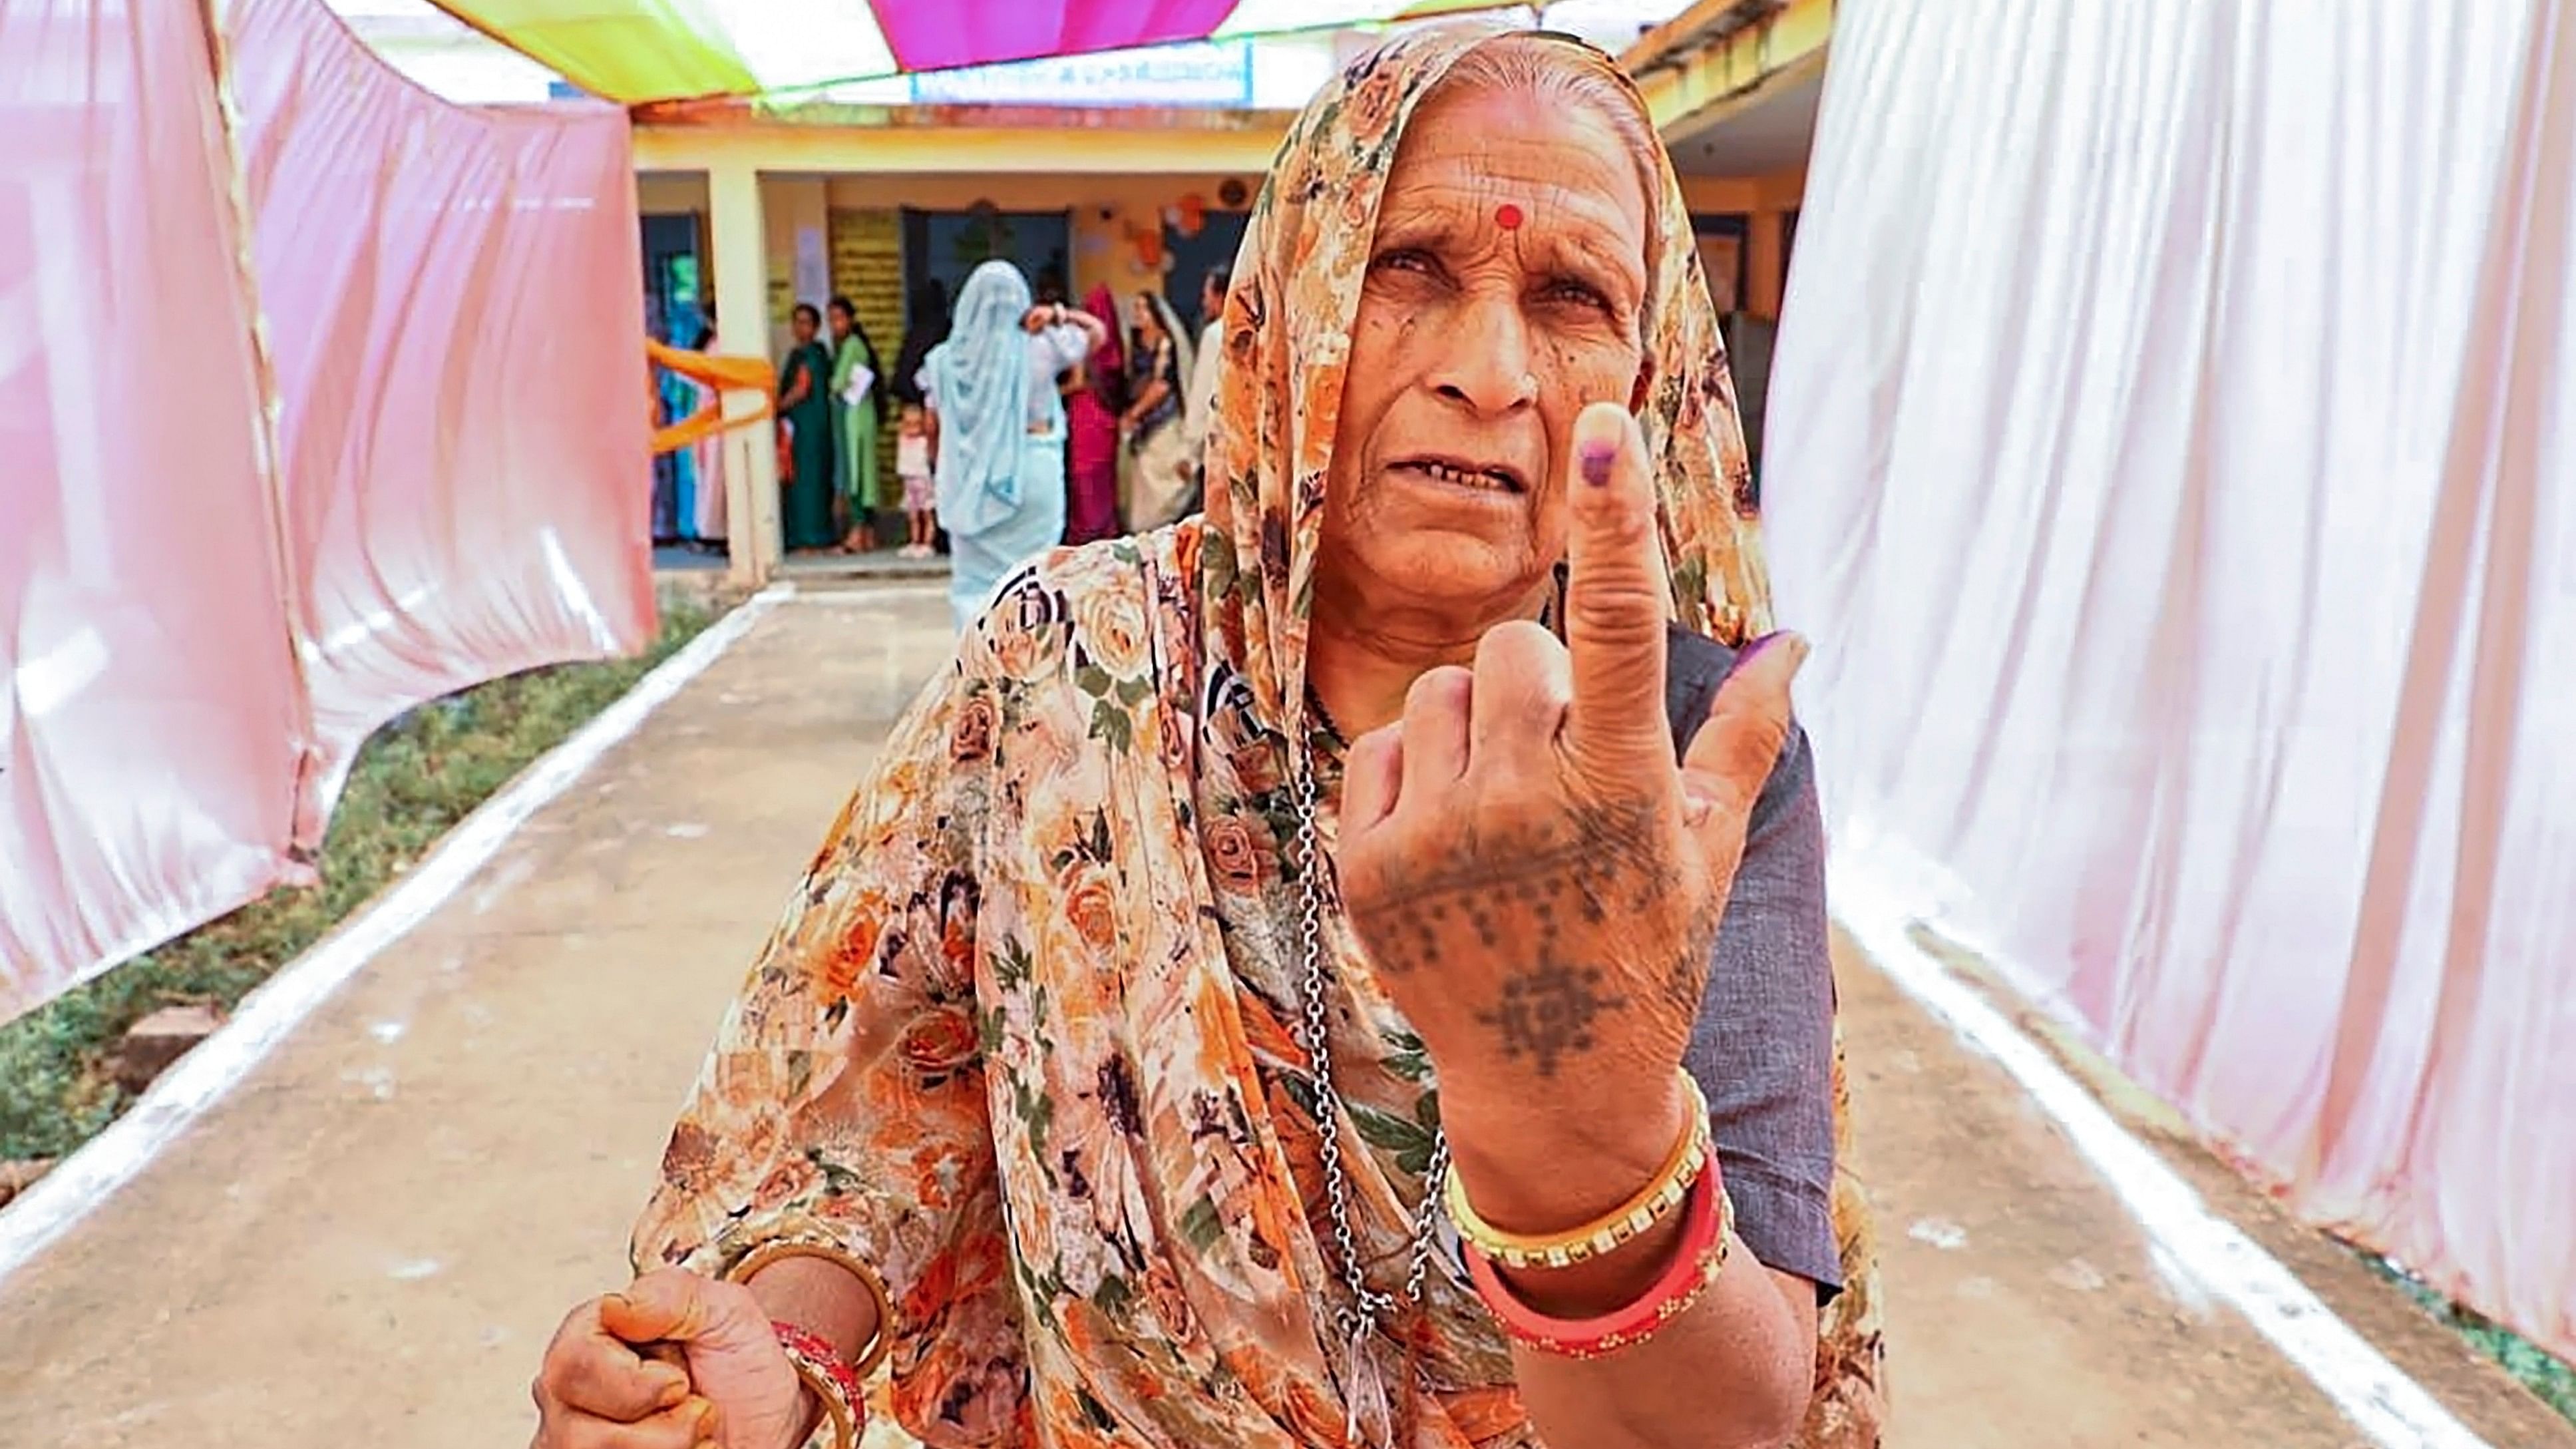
[
  {"x": 829, "y": 1375},
  {"x": 1707, "y": 1225}
]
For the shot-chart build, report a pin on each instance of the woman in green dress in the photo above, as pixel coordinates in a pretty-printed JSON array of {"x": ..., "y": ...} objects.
[
  {"x": 858, "y": 407},
  {"x": 804, "y": 401}
]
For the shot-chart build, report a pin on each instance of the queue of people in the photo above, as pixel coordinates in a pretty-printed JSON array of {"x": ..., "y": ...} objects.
[
  {"x": 1124, "y": 457},
  {"x": 832, "y": 402},
  {"x": 1022, "y": 422}
]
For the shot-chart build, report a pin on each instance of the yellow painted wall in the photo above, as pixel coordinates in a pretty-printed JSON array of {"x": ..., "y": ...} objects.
[
  {"x": 1217, "y": 143},
  {"x": 669, "y": 191},
  {"x": 789, "y": 205},
  {"x": 867, "y": 268},
  {"x": 1762, "y": 199},
  {"x": 1713, "y": 195},
  {"x": 1108, "y": 212}
]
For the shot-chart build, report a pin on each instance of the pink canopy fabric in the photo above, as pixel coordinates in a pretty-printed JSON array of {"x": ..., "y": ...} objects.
[
  {"x": 638, "y": 51},
  {"x": 152, "y": 721},
  {"x": 454, "y": 303},
  {"x": 202, "y": 616},
  {"x": 2172, "y": 449},
  {"x": 934, "y": 37}
]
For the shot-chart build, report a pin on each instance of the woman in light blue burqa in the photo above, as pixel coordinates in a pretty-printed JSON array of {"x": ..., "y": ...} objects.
[{"x": 997, "y": 428}]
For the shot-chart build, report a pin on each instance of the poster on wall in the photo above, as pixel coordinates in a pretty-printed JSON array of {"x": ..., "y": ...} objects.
[{"x": 813, "y": 266}]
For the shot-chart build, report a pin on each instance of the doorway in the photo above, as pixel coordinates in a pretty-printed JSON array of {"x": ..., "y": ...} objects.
[
  {"x": 948, "y": 245},
  {"x": 674, "y": 312},
  {"x": 1219, "y": 237}
]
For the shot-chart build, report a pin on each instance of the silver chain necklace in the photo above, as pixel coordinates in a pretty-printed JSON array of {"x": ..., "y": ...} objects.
[{"x": 1366, "y": 1311}]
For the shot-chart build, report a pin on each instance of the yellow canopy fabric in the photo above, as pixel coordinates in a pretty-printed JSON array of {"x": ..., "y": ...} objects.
[{"x": 628, "y": 51}]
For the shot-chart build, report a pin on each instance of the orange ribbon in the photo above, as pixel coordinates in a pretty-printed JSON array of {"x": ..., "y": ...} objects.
[{"x": 723, "y": 374}]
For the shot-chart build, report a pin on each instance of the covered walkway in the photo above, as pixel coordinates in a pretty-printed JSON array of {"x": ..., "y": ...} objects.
[{"x": 368, "y": 1239}]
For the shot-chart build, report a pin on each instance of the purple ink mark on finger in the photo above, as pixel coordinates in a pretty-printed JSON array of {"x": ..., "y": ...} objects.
[{"x": 1597, "y": 460}]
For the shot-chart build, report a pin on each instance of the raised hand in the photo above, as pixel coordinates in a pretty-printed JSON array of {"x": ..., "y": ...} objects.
[
  {"x": 1537, "y": 884},
  {"x": 610, "y": 1380}
]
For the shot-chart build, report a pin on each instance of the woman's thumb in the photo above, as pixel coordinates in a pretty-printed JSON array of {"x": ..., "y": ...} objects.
[
  {"x": 668, "y": 1304},
  {"x": 1731, "y": 757}
]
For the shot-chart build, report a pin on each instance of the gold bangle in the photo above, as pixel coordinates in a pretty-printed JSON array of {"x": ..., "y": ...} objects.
[
  {"x": 1665, "y": 1191},
  {"x": 881, "y": 1341}
]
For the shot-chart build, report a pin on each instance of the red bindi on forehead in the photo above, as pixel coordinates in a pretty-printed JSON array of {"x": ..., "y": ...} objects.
[{"x": 1508, "y": 217}]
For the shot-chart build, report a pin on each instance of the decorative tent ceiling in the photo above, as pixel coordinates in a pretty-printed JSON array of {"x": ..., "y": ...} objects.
[{"x": 641, "y": 51}]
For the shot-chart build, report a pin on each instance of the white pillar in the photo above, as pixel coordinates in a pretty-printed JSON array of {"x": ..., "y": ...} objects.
[{"x": 741, "y": 264}]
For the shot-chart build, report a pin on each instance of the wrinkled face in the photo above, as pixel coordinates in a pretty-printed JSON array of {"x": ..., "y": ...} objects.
[{"x": 1504, "y": 293}]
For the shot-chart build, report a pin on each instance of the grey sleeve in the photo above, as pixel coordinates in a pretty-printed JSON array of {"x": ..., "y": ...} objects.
[{"x": 1762, "y": 1048}]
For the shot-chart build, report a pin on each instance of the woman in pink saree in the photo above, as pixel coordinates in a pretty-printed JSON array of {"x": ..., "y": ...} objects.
[{"x": 1091, "y": 417}]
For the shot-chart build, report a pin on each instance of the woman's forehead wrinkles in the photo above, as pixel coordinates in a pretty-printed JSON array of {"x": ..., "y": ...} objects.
[
  {"x": 1572, "y": 221},
  {"x": 1476, "y": 192}
]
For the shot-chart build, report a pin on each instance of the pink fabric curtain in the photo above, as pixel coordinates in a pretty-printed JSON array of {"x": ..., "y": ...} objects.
[
  {"x": 454, "y": 304},
  {"x": 2172, "y": 448},
  {"x": 152, "y": 721},
  {"x": 201, "y": 618}
]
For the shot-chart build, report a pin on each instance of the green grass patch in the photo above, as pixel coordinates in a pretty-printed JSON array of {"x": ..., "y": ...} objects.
[
  {"x": 2551, "y": 1378},
  {"x": 414, "y": 779}
]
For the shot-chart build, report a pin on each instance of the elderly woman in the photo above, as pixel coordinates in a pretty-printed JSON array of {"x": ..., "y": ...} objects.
[
  {"x": 997, "y": 428},
  {"x": 1286, "y": 985}
]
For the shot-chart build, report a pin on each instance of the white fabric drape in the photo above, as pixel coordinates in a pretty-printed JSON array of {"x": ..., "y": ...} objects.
[{"x": 2172, "y": 449}]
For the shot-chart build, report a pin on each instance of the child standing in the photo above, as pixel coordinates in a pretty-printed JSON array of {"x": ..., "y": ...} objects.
[{"x": 912, "y": 465}]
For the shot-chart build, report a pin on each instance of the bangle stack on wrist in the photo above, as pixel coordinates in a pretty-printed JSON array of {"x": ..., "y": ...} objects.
[
  {"x": 1650, "y": 1205},
  {"x": 1708, "y": 1228},
  {"x": 1688, "y": 1181},
  {"x": 837, "y": 1383}
]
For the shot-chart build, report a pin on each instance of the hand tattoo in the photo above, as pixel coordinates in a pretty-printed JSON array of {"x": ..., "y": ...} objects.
[
  {"x": 1533, "y": 892},
  {"x": 1547, "y": 1013}
]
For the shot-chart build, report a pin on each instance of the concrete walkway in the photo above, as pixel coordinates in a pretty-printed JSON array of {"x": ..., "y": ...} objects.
[{"x": 368, "y": 1241}]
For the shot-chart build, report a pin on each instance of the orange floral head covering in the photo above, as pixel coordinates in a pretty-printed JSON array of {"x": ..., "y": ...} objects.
[
  {"x": 1023, "y": 1049},
  {"x": 1288, "y": 322}
]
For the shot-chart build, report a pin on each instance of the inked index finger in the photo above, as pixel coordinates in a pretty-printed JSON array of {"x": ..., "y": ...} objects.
[{"x": 1617, "y": 603}]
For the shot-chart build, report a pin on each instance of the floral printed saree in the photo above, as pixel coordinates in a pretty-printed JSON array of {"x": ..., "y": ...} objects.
[{"x": 1021, "y": 1041}]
